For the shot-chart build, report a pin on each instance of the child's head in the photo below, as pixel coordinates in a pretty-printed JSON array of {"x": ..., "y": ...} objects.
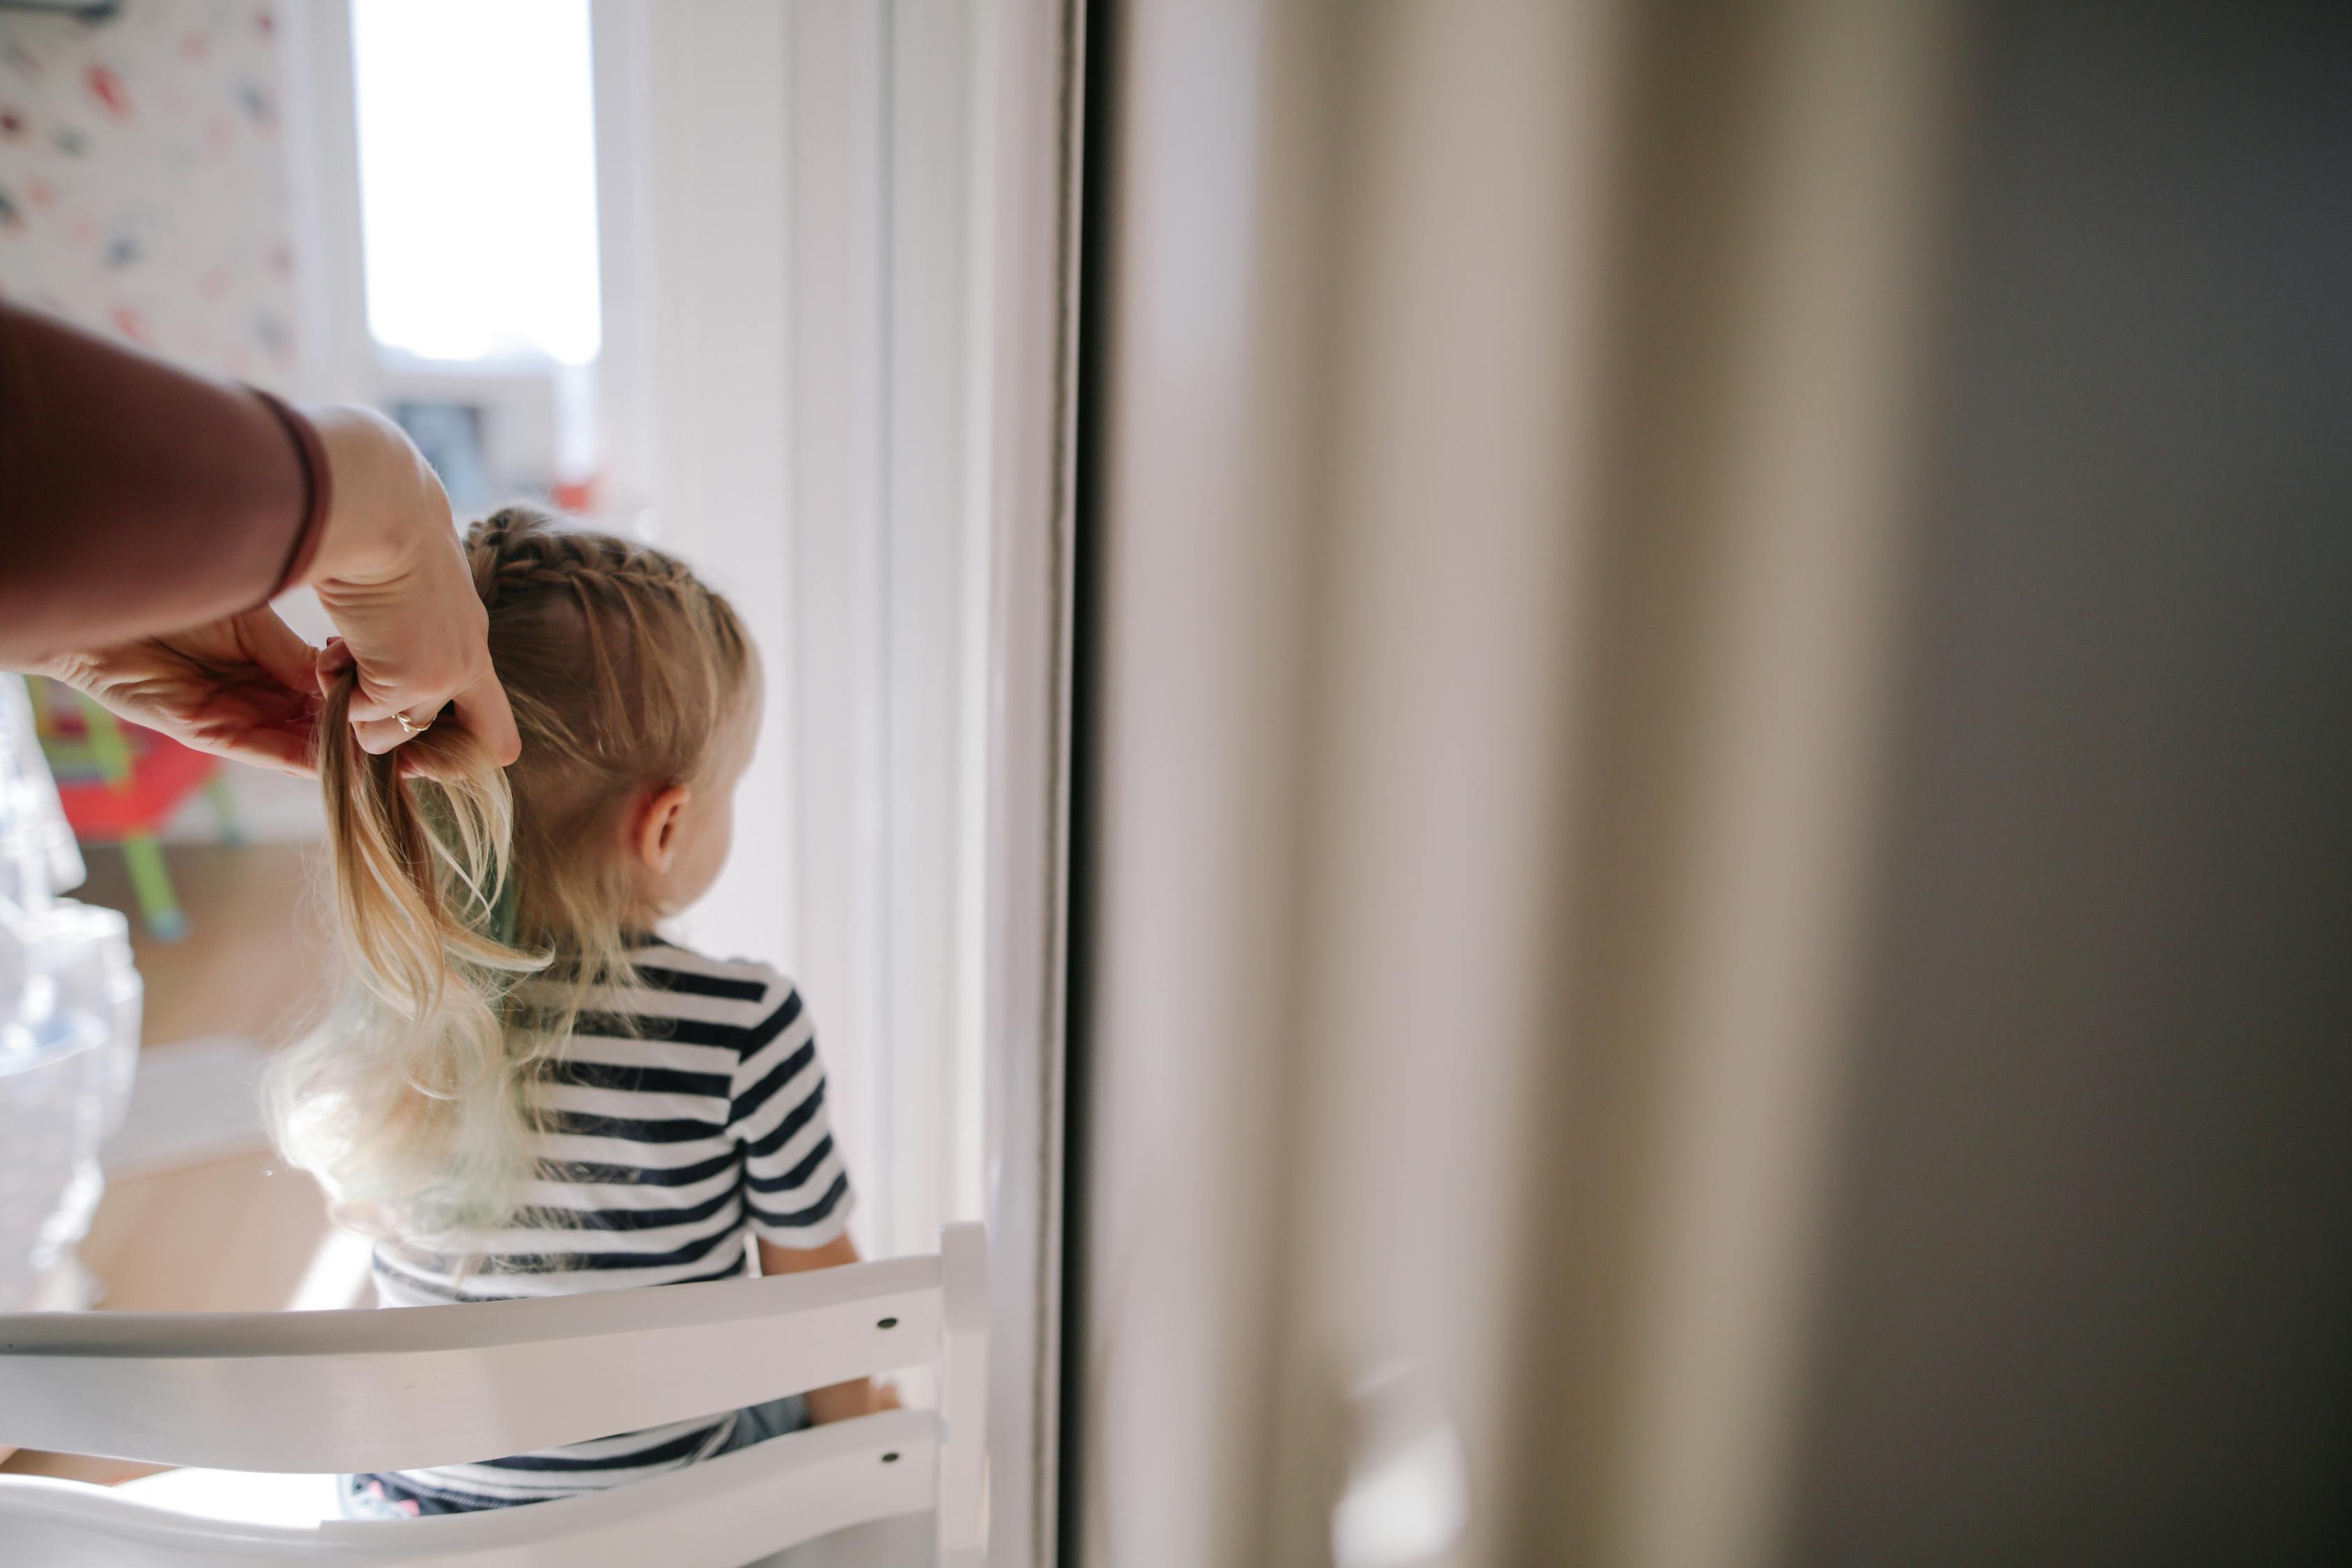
[
  {"x": 637, "y": 695},
  {"x": 476, "y": 905}
]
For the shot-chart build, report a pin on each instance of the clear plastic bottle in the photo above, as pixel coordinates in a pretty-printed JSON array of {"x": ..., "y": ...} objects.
[{"x": 69, "y": 1005}]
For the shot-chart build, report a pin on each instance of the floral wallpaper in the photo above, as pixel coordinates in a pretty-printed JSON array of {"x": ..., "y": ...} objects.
[{"x": 142, "y": 185}]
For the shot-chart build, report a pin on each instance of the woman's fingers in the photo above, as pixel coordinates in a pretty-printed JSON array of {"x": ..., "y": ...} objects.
[
  {"x": 290, "y": 743},
  {"x": 277, "y": 649},
  {"x": 480, "y": 706},
  {"x": 241, "y": 686},
  {"x": 377, "y": 736},
  {"x": 406, "y": 689},
  {"x": 413, "y": 652},
  {"x": 288, "y": 750},
  {"x": 428, "y": 689},
  {"x": 481, "y": 711},
  {"x": 378, "y": 697}
]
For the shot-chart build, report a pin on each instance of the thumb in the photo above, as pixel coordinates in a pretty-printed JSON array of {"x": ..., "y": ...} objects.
[{"x": 278, "y": 649}]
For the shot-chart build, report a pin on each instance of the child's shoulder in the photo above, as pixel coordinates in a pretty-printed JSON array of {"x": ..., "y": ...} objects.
[{"x": 739, "y": 991}]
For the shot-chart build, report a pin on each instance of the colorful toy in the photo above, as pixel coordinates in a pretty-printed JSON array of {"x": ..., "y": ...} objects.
[{"x": 120, "y": 784}]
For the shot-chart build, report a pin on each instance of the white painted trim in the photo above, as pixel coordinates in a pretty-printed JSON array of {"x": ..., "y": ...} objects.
[
  {"x": 839, "y": 503},
  {"x": 933, "y": 784},
  {"x": 627, "y": 443},
  {"x": 320, "y": 108},
  {"x": 1034, "y": 242}
]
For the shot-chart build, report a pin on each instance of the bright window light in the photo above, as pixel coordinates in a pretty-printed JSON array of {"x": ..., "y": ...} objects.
[{"x": 478, "y": 178}]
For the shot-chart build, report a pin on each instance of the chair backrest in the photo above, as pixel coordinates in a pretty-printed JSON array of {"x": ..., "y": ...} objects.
[{"x": 356, "y": 1391}]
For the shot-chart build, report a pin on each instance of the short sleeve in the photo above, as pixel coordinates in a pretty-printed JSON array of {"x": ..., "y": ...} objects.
[{"x": 797, "y": 1191}]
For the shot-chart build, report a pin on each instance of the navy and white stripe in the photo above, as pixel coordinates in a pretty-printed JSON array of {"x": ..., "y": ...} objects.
[{"x": 686, "y": 1109}]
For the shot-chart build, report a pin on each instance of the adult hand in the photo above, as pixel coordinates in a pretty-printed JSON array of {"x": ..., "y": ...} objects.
[
  {"x": 241, "y": 686},
  {"x": 393, "y": 576}
]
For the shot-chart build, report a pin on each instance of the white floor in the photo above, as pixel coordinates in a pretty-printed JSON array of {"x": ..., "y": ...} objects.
[{"x": 192, "y": 1102}]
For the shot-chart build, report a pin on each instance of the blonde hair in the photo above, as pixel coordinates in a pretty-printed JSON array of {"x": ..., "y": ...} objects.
[{"x": 477, "y": 905}]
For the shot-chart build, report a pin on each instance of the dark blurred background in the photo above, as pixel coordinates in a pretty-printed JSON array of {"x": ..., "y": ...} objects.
[
  {"x": 1752, "y": 890},
  {"x": 2091, "y": 1295}
]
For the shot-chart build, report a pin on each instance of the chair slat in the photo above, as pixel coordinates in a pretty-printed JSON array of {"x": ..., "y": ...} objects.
[
  {"x": 963, "y": 1395},
  {"x": 431, "y": 1385},
  {"x": 721, "y": 1513}
]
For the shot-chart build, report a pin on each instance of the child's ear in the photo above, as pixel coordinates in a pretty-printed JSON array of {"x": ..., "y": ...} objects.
[{"x": 653, "y": 826}]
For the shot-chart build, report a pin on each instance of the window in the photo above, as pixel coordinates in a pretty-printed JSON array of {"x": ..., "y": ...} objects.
[{"x": 478, "y": 178}]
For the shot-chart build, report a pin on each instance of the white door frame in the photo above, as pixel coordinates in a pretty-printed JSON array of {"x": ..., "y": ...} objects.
[
  {"x": 1039, "y": 108},
  {"x": 829, "y": 189}
]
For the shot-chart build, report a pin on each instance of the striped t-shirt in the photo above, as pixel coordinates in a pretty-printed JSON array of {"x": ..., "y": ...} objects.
[{"x": 685, "y": 1110}]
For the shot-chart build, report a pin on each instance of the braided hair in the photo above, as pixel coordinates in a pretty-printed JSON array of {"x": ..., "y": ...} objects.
[{"x": 477, "y": 905}]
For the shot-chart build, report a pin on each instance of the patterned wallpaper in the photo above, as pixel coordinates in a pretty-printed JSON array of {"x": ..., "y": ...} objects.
[{"x": 142, "y": 186}]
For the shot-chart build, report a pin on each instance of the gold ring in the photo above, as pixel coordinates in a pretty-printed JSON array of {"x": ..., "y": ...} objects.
[{"x": 410, "y": 728}]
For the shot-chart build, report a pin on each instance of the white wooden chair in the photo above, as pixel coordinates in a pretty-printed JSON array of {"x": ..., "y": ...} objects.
[{"x": 362, "y": 1390}]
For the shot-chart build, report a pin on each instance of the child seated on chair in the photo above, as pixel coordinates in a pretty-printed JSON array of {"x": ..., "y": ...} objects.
[{"x": 528, "y": 1093}]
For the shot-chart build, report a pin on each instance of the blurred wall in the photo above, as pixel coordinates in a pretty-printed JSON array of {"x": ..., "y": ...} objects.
[
  {"x": 1711, "y": 827},
  {"x": 2089, "y": 1296},
  {"x": 142, "y": 187}
]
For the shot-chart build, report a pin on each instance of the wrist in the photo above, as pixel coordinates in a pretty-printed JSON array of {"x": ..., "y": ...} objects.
[{"x": 384, "y": 498}]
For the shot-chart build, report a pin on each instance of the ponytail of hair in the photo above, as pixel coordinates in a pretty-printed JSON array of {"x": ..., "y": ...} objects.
[
  {"x": 481, "y": 907},
  {"x": 406, "y": 1103}
]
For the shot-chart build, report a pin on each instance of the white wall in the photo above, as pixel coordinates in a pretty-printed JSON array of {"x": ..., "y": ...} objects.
[{"x": 811, "y": 274}]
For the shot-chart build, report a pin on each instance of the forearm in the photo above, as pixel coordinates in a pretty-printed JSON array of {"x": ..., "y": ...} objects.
[
  {"x": 848, "y": 1401},
  {"x": 136, "y": 498},
  {"x": 839, "y": 1400}
]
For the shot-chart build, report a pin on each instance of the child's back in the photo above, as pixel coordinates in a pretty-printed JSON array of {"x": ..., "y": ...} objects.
[
  {"x": 687, "y": 1108},
  {"x": 531, "y": 1096}
]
